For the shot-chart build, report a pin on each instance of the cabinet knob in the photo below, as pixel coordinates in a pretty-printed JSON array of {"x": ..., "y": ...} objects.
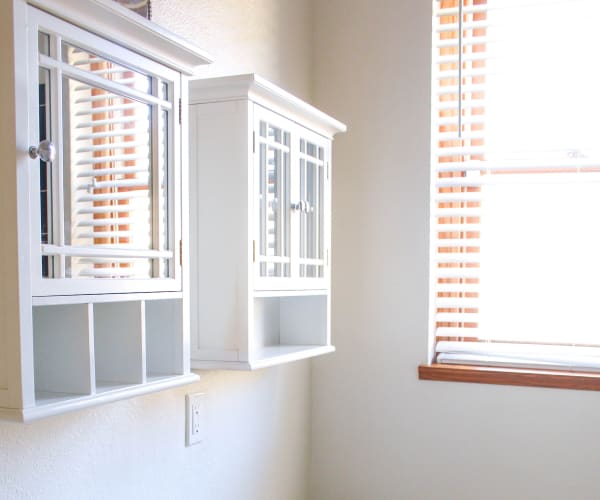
[
  {"x": 303, "y": 206},
  {"x": 46, "y": 151}
]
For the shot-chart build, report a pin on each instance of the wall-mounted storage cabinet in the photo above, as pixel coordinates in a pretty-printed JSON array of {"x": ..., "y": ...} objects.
[
  {"x": 260, "y": 224},
  {"x": 94, "y": 301}
]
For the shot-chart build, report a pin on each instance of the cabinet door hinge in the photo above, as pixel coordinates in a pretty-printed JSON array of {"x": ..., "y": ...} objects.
[
  {"x": 181, "y": 252},
  {"x": 253, "y": 251},
  {"x": 180, "y": 111},
  {"x": 253, "y": 142},
  {"x": 327, "y": 260}
]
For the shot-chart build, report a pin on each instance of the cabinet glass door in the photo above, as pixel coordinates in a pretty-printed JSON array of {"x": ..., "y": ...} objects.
[
  {"x": 311, "y": 180},
  {"x": 108, "y": 201},
  {"x": 273, "y": 198}
]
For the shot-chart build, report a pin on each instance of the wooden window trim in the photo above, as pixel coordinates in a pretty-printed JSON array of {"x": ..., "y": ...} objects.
[{"x": 557, "y": 379}]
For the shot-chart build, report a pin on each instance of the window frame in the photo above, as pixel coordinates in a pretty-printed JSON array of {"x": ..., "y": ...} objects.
[{"x": 481, "y": 373}]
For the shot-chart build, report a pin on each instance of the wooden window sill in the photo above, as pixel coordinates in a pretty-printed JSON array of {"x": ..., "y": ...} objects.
[{"x": 557, "y": 379}]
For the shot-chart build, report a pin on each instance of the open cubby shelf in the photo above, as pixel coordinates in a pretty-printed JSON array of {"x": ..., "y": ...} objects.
[
  {"x": 90, "y": 349},
  {"x": 284, "y": 329}
]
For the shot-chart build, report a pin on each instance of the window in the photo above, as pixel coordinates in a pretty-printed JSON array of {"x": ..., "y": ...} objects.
[{"x": 515, "y": 184}]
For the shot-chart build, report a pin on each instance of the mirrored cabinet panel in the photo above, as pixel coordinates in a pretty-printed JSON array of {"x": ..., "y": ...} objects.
[
  {"x": 94, "y": 304},
  {"x": 261, "y": 187},
  {"x": 108, "y": 200}
]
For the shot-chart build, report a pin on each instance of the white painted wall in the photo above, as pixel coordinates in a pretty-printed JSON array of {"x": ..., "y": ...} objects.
[
  {"x": 269, "y": 37},
  {"x": 378, "y": 433},
  {"x": 258, "y": 423}
]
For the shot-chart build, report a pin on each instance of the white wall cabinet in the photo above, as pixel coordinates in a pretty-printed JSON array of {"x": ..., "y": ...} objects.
[
  {"x": 260, "y": 224},
  {"x": 94, "y": 301}
]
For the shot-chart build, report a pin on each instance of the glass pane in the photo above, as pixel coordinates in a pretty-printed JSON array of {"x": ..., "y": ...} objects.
[
  {"x": 88, "y": 61},
  {"x": 518, "y": 123},
  {"x": 312, "y": 182},
  {"x": 164, "y": 92},
  {"x": 274, "y": 165},
  {"x": 44, "y": 43},
  {"x": 539, "y": 260},
  {"x": 108, "y": 179},
  {"x": 162, "y": 215},
  {"x": 99, "y": 267},
  {"x": 45, "y": 169}
]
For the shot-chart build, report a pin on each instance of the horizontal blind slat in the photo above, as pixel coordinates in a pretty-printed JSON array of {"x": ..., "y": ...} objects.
[
  {"x": 457, "y": 228},
  {"x": 120, "y": 183},
  {"x": 457, "y": 302},
  {"x": 99, "y": 172},
  {"x": 98, "y": 160},
  {"x": 457, "y": 258},
  {"x": 457, "y": 317},
  {"x": 114, "y": 196},
  {"x": 457, "y": 273}
]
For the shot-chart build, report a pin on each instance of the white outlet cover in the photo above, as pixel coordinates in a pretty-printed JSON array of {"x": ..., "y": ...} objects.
[{"x": 195, "y": 418}]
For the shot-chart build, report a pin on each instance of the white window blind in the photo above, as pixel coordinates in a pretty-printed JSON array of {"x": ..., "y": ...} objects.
[{"x": 515, "y": 180}]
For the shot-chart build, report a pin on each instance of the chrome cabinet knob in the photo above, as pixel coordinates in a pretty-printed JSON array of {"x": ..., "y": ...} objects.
[
  {"x": 303, "y": 206},
  {"x": 45, "y": 151}
]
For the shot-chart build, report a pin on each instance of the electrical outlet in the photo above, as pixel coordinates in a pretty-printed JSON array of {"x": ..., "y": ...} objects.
[{"x": 195, "y": 406}]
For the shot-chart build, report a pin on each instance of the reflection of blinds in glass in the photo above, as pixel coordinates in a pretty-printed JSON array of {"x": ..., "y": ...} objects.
[
  {"x": 274, "y": 150},
  {"x": 162, "y": 182},
  {"x": 312, "y": 181},
  {"x": 110, "y": 171},
  {"x": 45, "y": 180}
]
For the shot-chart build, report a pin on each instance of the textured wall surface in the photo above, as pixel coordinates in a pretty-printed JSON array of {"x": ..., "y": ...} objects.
[
  {"x": 378, "y": 432},
  {"x": 257, "y": 445},
  {"x": 269, "y": 37}
]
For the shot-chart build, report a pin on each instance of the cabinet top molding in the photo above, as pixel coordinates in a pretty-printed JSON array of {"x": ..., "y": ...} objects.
[
  {"x": 261, "y": 91},
  {"x": 114, "y": 22}
]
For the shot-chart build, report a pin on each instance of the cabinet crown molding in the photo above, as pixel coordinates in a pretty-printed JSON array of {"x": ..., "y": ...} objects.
[{"x": 265, "y": 93}]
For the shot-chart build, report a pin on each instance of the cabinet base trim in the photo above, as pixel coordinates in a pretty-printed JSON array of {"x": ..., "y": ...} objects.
[
  {"x": 66, "y": 403},
  {"x": 265, "y": 357}
]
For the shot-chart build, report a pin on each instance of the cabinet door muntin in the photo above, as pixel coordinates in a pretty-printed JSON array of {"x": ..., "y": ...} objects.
[
  {"x": 273, "y": 142},
  {"x": 312, "y": 174},
  {"x": 293, "y": 202}
]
